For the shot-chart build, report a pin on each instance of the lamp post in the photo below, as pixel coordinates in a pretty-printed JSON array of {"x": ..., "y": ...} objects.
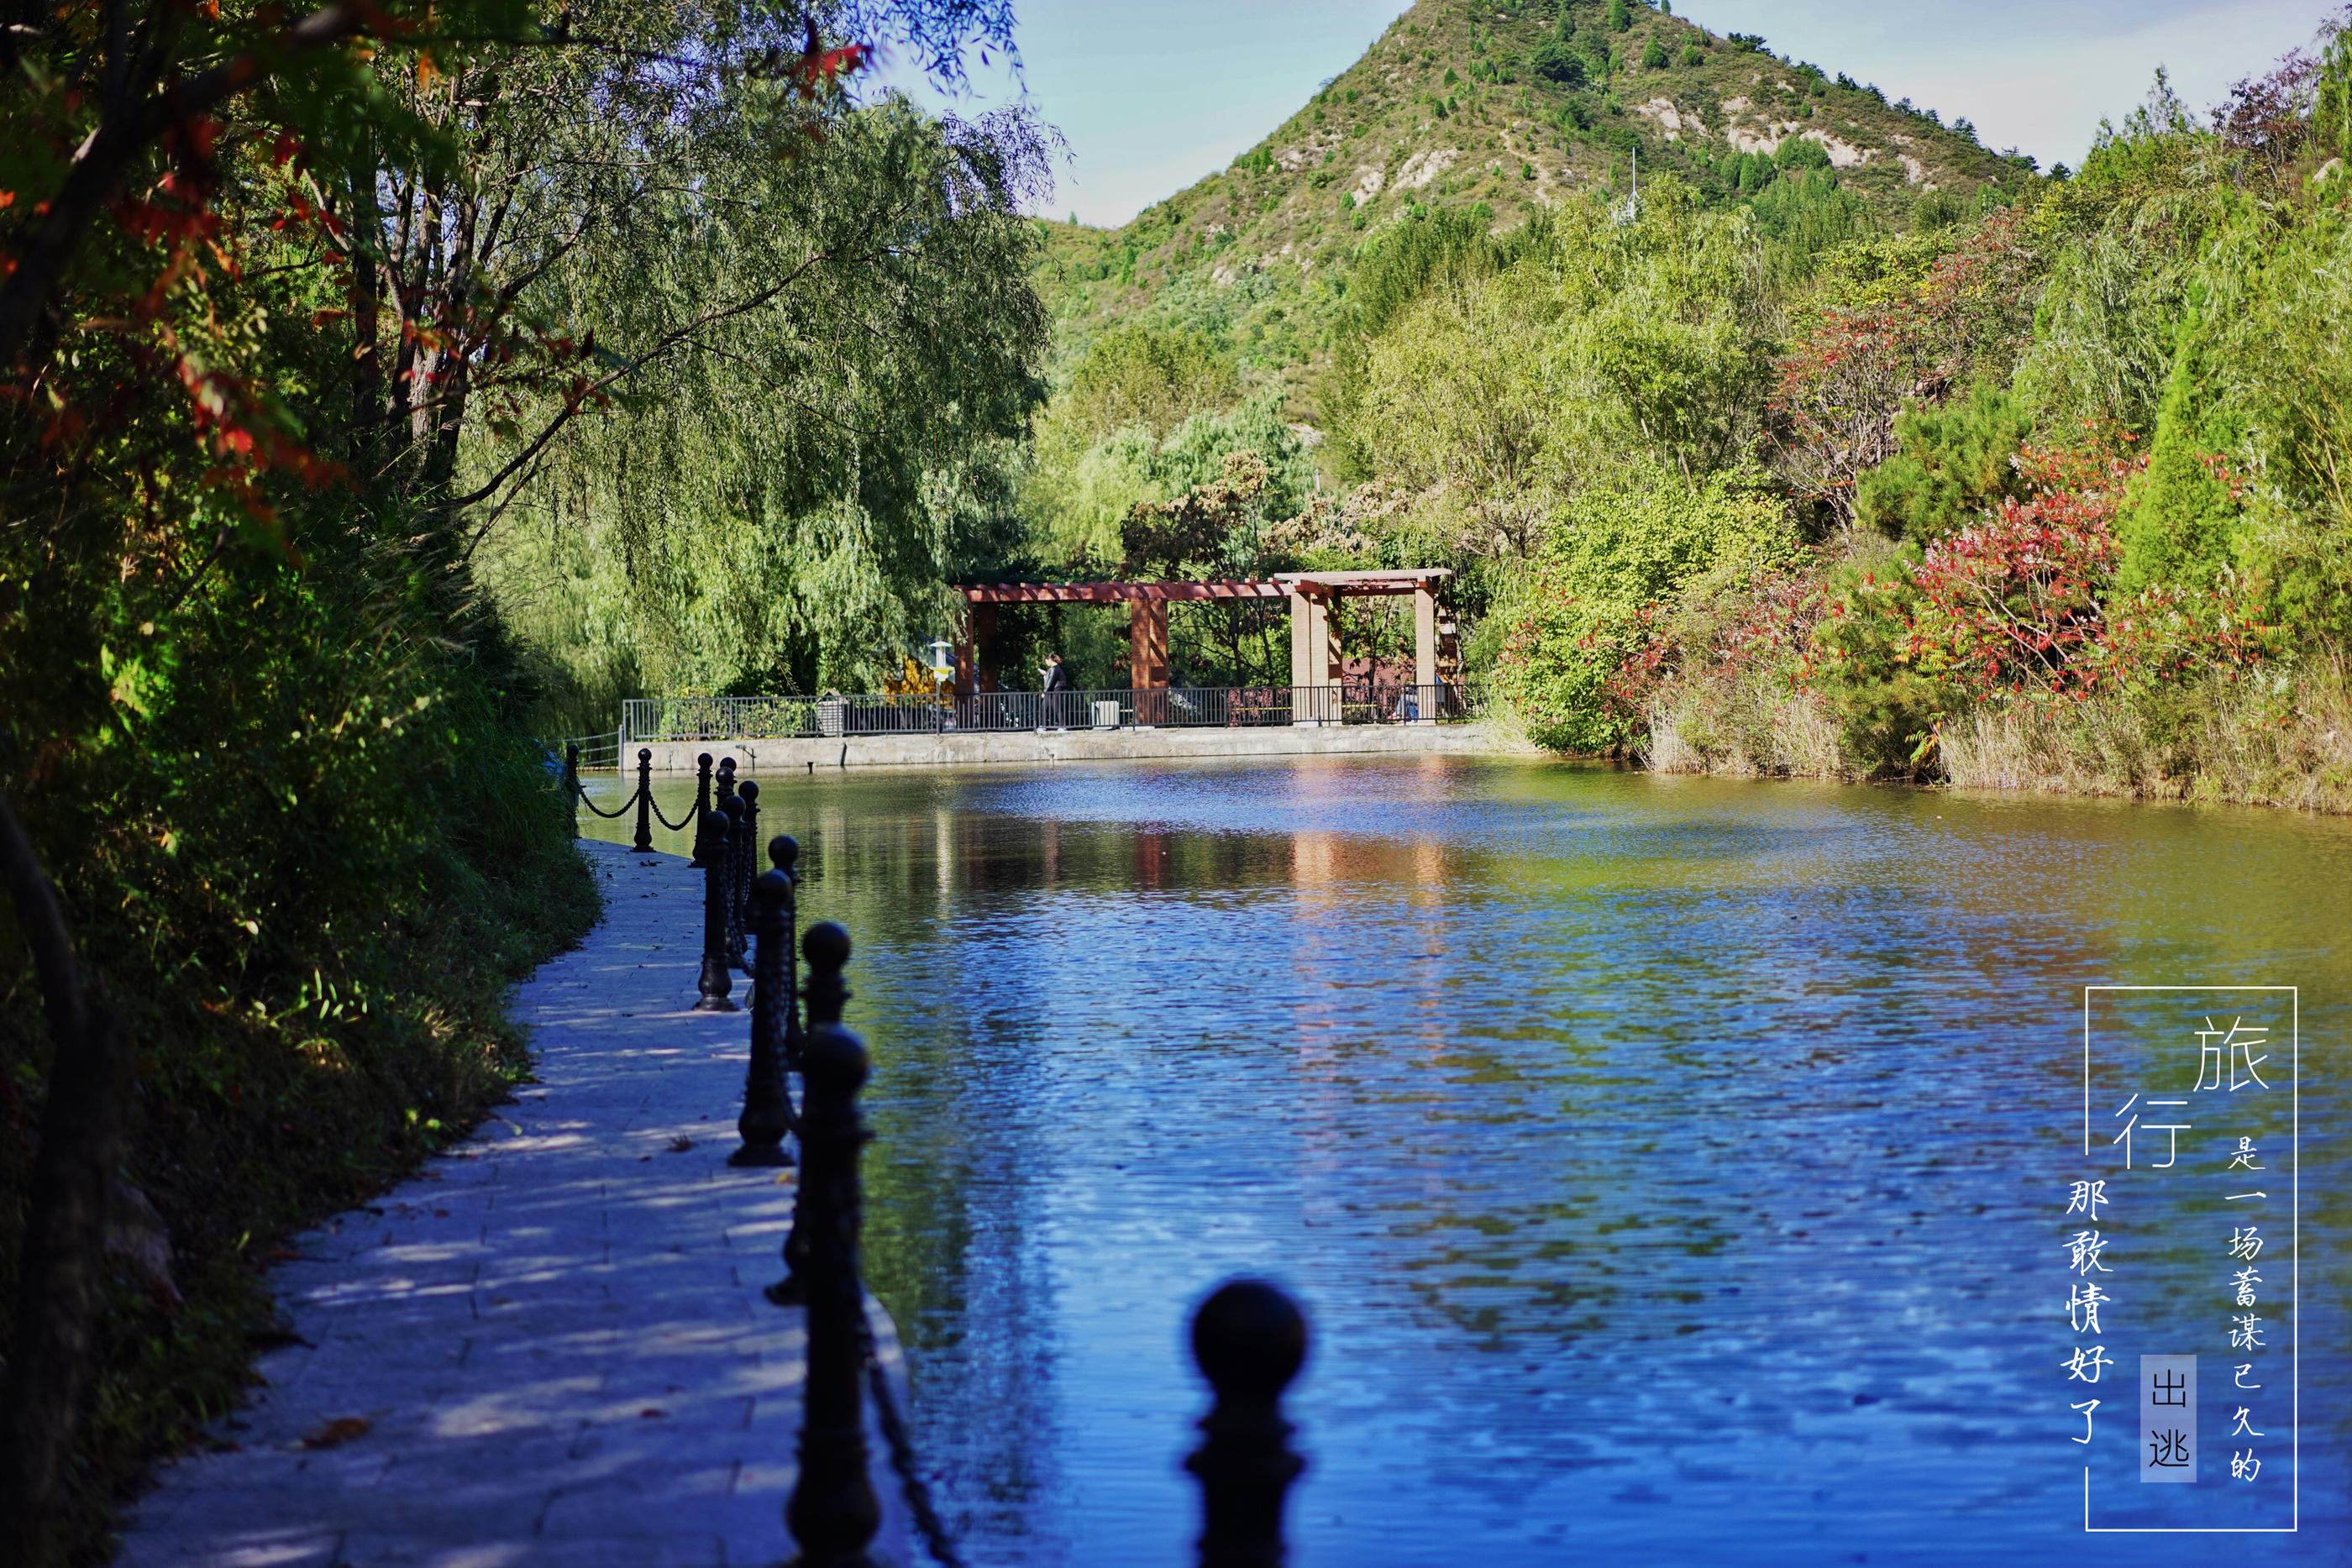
[{"x": 942, "y": 671}]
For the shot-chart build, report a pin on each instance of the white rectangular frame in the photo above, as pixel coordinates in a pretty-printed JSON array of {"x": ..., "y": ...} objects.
[{"x": 2295, "y": 1246}]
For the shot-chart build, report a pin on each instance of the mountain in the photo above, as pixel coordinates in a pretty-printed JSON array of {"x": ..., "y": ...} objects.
[{"x": 1511, "y": 104}]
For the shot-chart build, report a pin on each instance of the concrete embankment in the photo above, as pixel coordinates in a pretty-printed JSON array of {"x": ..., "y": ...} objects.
[{"x": 951, "y": 750}]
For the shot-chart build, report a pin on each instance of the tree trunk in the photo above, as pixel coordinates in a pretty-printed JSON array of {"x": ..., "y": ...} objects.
[{"x": 54, "y": 1355}]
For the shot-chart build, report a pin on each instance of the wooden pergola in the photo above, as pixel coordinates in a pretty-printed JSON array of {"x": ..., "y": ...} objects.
[{"x": 1315, "y": 650}]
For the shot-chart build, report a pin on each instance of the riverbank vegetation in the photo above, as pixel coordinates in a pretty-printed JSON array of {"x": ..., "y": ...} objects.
[
  {"x": 317, "y": 332},
  {"x": 2027, "y": 481}
]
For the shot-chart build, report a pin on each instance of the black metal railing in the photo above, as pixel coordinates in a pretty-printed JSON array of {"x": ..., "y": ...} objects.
[
  {"x": 594, "y": 753},
  {"x": 1177, "y": 708}
]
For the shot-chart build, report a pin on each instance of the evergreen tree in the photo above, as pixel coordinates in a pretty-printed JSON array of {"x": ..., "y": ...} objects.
[
  {"x": 2180, "y": 523},
  {"x": 1621, "y": 16},
  {"x": 1954, "y": 463},
  {"x": 1555, "y": 62}
]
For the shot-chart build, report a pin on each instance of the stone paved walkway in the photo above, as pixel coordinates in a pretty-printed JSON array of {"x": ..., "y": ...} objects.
[{"x": 552, "y": 1346}]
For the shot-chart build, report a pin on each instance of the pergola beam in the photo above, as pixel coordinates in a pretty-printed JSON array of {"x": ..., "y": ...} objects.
[
  {"x": 1315, "y": 654},
  {"x": 1115, "y": 592}
]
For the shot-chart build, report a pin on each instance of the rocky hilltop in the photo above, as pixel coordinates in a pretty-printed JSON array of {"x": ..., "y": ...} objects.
[{"x": 1513, "y": 106}]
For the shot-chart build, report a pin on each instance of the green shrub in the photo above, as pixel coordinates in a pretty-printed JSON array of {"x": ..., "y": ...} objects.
[
  {"x": 1619, "y": 551},
  {"x": 1953, "y": 462},
  {"x": 1800, "y": 152},
  {"x": 1887, "y": 709}
]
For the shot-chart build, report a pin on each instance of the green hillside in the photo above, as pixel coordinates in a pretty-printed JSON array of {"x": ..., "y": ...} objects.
[{"x": 1521, "y": 106}]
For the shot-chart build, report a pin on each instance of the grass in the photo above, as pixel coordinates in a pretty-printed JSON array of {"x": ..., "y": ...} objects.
[
  {"x": 2275, "y": 735},
  {"x": 269, "y": 1098}
]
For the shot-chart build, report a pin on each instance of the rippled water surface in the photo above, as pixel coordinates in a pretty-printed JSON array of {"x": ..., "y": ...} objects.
[{"x": 1672, "y": 1170}]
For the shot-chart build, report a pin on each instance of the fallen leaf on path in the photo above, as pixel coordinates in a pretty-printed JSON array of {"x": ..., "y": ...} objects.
[
  {"x": 340, "y": 1430},
  {"x": 679, "y": 1145}
]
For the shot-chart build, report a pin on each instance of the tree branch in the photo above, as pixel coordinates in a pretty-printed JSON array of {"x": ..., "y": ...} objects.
[
  {"x": 122, "y": 136},
  {"x": 662, "y": 345}
]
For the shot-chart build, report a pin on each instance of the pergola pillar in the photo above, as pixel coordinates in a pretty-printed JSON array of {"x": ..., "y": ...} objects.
[
  {"x": 1424, "y": 650},
  {"x": 971, "y": 675},
  {"x": 1315, "y": 656},
  {"x": 1146, "y": 645}
]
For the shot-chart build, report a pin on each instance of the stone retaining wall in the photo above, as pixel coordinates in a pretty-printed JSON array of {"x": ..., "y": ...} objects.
[{"x": 757, "y": 757}]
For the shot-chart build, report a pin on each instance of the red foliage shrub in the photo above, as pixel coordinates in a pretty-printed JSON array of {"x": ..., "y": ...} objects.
[
  {"x": 1840, "y": 388},
  {"x": 2018, "y": 603}
]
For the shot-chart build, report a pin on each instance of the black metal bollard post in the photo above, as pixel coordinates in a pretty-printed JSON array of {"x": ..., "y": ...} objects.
[
  {"x": 1249, "y": 1339},
  {"x": 747, "y": 867},
  {"x": 730, "y": 851},
  {"x": 832, "y": 1513},
  {"x": 826, "y": 995},
  {"x": 571, "y": 782},
  {"x": 715, "y": 983},
  {"x": 767, "y": 1113},
  {"x": 645, "y": 844},
  {"x": 723, "y": 785},
  {"x": 701, "y": 813},
  {"x": 784, "y": 853}
]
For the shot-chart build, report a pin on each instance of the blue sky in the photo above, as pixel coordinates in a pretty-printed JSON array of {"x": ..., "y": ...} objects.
[{"x": 1153, "y": 96}]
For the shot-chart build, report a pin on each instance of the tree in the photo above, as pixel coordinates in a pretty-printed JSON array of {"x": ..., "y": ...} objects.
[
  {"x": 124, "y": 84},
  {"x": 1905, "y": 327},
  {"x": 1629, "y": 546},
  {"x": 263, "y": 281},
  {"x": 2183, "y": 521},
  {"x": 1169, "y": 538},
  {"x": 1138, "y": 375},
  {"x": 782, "y": 505},
  {"x": 1556, "y": 62},
  {"x": 1953, "y": 462},
  {"x": 1621, "y": 16},
  {"x": 1654, "y": 55}
]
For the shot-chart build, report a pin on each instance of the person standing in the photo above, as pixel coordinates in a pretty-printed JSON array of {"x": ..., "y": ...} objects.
[{"x": 1057, "y": 686}]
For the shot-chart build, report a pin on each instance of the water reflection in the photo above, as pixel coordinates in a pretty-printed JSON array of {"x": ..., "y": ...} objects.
[{"x": 1670, "y": 1166}]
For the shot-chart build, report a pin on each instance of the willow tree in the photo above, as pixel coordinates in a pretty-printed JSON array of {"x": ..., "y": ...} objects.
[{"x": 848, "y": 348}]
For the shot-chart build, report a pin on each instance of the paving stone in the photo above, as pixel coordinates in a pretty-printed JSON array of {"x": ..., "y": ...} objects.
[{"x": 503, "y": 1323}]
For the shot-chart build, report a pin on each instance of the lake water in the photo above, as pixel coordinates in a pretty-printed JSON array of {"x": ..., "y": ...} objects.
[{"x": 1669, "y": 1168}]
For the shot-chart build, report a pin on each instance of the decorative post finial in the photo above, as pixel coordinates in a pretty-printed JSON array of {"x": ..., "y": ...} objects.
[
  {"x": 645, "y": 844},
  {"x": 1249, "y": 1339},
  {"x": 701, "y": 813}
]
